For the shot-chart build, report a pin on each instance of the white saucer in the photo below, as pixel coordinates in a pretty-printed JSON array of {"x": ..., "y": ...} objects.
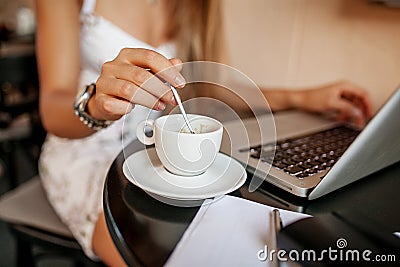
[{"x": 145, "y": 170}]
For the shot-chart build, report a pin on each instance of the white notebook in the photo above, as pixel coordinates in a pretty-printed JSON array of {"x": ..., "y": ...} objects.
[{"x": 230, "y": 231}]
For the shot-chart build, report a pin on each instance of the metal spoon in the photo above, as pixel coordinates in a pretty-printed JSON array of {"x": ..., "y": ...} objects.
[{"x": 178, "y": 100}]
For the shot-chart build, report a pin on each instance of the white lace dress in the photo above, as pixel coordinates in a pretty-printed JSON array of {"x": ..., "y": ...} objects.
[{"x": 73, "y": 171}]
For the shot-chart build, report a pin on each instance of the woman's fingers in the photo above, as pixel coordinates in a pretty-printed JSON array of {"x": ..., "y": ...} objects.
[
  {"x": 156, "y": 62},
  {"x": 352, "y": 103},
  {"x": 347, "y": 101},
  {"x": 177, "y": 63},
  {"x": 125, "y": 91},
  {"x": 360, "y": 99},
  {"x": 348, "y": 111},
  {"x": 135, "y": 76},
  {"x": 110, "y": 108}
]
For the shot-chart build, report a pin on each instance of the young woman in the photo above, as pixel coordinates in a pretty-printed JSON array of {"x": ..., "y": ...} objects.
[{"x": 117, "y": 45}]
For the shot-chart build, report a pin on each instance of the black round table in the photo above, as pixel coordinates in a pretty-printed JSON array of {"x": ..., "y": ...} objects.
[{"x": 146, "y": 231}]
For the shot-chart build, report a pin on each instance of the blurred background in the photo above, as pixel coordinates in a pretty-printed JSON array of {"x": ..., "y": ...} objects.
[
  {"x": 277, "y": 43},
  {"x": 295, "y": 43}
]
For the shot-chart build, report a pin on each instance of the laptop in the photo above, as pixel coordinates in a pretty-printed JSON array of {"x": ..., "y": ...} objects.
[{"x": 313, "y": 156}]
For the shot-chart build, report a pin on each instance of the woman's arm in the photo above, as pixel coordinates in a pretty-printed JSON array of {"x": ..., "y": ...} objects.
[
  {"x": 344, "y": 101},
  {"x": 119, "y": 87},
  {"x": 58, "y": 56}
]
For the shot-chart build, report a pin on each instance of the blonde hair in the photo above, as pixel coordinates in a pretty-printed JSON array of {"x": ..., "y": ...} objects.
[{"x": 197, "y": 29}]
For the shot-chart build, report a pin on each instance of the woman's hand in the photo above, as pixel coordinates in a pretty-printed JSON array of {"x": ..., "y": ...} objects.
[
  {"x": 129, "y": 80},
  {"x": 343, "y": 101}
]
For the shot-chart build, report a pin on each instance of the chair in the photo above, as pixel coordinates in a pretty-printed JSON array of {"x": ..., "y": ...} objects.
[{"x": 39, "y": 232}]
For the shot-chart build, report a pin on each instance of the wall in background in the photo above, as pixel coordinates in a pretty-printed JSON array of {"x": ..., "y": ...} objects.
[
  {"x": 295, "y": 43},
  {"x": 9, "y": 8}
]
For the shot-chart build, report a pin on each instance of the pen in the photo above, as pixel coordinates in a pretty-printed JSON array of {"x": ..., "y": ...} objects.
[
  {"x": 276, "y": 227},
  {"x": 277, "y": 221}
]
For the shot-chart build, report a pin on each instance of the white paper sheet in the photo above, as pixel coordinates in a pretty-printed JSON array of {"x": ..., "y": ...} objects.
[{"x": 228, "y": 232}]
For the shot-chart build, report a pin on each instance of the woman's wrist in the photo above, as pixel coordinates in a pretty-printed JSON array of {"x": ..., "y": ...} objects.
[
  {"x": 91, "y": 108},
  {"x": 296, "y": 99},
  {"x": 283, "y": 99},
  {"x": 81, "y": 107}
]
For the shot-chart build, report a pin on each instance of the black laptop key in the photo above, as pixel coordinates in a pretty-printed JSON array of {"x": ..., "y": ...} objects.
[
  {"x": 288, "y": 161},
  {"x": 302, "y": 175},
  {"x": 330, "y": 163},
  {"x": 306, "y": 165},
  {"x": 312, "y": 162},
  {"x": 279, "y": 164},
  {"x": 293, "y": 169}
]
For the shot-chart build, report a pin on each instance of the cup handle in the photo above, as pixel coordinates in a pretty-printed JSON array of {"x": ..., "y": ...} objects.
[{"x": 141, "y": 135}]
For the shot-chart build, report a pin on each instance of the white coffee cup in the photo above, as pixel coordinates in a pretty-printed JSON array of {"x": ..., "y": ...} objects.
[{"x": 181, "y": 152}]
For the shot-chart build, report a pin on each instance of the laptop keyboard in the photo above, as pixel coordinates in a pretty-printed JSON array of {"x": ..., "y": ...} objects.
[{"x": 306, "y": 155}]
